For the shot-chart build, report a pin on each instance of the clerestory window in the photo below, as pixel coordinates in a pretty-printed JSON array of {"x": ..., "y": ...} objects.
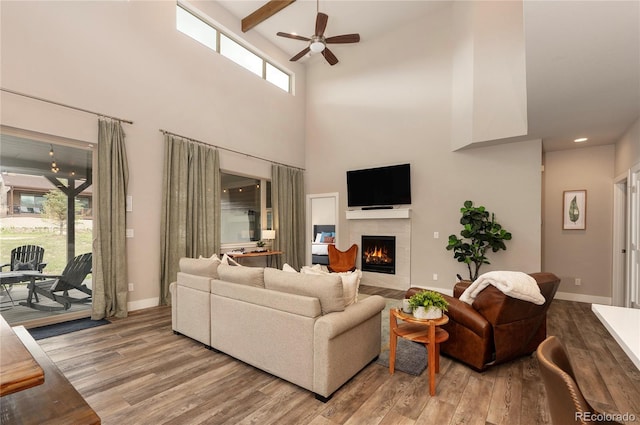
[{"x": 204, "y": 32}]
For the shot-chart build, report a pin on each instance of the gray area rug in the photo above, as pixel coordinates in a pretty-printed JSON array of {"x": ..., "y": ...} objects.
[
  {"x": 411, "y": 357},
  {"x": 65, "y": 328}
]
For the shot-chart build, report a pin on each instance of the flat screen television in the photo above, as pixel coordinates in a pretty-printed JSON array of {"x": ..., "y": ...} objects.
[{"x": 379, "y": 187}]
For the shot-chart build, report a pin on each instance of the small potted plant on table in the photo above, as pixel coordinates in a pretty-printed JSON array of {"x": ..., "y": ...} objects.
[{"x": 428, "y": 305}]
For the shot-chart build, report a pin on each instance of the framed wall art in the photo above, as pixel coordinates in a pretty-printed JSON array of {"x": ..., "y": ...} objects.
[{"x": 574, "y": 210}]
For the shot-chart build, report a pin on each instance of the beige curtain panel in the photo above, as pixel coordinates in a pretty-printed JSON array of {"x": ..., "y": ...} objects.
[
  {"x": 288, "y": 201},
  {"x": 109, "y": 243},
  {"x": 191, "y": 206}
]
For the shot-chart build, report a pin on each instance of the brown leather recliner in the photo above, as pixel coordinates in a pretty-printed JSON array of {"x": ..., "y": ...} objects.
[{"x": 495, "y": 328}]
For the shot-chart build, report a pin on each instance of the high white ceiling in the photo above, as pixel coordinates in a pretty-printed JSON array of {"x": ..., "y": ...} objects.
[{"x": 583, "y": 57}]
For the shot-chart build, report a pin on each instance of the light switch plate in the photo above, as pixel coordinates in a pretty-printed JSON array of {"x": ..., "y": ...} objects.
[{"x": 129, "y": 233}]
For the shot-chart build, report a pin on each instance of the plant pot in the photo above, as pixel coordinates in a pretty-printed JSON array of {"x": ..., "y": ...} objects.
[
  {"x": 406, "y": 307},
  {"x": 427, "y": 313}
]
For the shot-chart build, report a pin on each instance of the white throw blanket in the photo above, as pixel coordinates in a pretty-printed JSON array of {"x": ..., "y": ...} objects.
[{"x": 514, "y": 284}]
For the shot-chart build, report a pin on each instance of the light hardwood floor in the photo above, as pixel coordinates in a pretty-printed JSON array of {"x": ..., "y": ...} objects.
[{"x": 136, "y": 371}]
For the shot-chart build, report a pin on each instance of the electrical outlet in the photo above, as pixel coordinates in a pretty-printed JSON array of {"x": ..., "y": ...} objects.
[
  {"x": 435, "y": 276},
  {"x": 436, "y": 235},
  {"x": 131, "y": 287},
  {"x": 129, "y": 233},
  {"x": 578, "y": 281}
]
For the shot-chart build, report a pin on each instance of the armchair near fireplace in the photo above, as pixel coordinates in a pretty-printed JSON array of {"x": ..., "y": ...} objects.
[
  {"x": 342, "y": 261},
  {"x": 496, "y": 328}
]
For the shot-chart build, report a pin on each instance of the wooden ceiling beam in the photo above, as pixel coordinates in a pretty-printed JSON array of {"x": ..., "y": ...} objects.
[{"x": 263, "y": 13}]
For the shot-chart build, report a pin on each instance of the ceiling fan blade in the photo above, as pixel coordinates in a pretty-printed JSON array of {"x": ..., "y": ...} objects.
[
  {"x": 321, "y": 23},
  {"x": 294, "y": 36},
  {"x": 300, "y": 54},
  {"x": 329, "y": 56},
  {"x": 345, "y": 38}
]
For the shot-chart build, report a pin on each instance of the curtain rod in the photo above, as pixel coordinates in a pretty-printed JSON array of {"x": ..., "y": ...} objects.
[
  {"x": 65, "y": 106},
  {"x": 229, "y": 150}
]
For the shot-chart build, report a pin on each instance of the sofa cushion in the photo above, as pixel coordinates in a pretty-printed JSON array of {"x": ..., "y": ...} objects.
[
  {"x": 200, "y": 283},
  {"x": 278, "y": 300},
  {"x": 207, "y": 267},
  {"x": 326, "y": 288},
  {"x": 252, "y": 276}
]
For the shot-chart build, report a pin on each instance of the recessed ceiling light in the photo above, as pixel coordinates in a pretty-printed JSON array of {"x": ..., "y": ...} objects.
[{"x": 580, "y": 140}]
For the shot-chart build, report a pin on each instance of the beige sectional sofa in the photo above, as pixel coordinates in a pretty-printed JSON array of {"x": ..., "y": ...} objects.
[{"x": 292, "y": 325}]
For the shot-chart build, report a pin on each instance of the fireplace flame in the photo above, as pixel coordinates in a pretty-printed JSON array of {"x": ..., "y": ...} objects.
[{"x": 377, "y": 255}]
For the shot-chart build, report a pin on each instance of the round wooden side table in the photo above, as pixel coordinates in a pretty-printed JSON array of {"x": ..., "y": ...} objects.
[{"x": 426, "y": 332}]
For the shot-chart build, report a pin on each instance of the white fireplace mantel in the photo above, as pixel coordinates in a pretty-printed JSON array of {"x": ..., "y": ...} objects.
[{"x": 378, "y": 214}]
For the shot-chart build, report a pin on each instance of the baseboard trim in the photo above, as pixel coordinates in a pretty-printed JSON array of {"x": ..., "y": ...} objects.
[
  {"x": 142, "y": 304},
  {"x": 582, "y": 298}
]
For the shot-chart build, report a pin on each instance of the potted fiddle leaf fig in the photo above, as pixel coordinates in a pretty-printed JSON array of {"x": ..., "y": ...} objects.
[
  {"x": 428, "y": 304},
  {"x": 480, "y": 232}
]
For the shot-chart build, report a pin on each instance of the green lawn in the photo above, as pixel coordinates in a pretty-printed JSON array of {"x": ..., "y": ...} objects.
[{"x": 54, "y": 244}]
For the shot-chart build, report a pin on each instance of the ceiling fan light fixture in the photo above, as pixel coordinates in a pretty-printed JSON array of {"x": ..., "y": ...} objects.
[{"x": 317, "y": 46}]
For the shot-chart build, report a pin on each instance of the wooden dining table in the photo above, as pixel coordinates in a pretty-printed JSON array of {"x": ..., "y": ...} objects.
[{"x": 18, "y": 369}]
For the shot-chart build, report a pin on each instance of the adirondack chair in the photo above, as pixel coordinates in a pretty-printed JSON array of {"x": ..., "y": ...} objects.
[
  {"x": 58, "y": 288},
  {"x": 25, "y": 257}
]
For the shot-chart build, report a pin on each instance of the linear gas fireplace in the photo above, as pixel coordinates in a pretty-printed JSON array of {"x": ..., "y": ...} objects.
[{"x": 379, "y": 254}]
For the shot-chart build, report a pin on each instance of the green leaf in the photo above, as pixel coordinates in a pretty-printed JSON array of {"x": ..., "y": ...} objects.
[{"x": 574, "y": 211}]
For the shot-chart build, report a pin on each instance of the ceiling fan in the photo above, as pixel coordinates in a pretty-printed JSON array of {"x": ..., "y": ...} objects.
[{"x": 318, "y": 42}]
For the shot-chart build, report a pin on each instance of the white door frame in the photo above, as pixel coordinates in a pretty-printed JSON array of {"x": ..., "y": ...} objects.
[
  {"x": 633, "y": 237},
  {"x": 620, "y": 248},
  {"x": 626, "y": 239}
]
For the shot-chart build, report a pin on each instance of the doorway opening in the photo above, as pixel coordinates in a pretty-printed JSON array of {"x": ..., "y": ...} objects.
[{"x": 46, "y": 200}]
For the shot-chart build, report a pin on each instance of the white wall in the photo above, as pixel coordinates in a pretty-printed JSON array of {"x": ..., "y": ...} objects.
[
  {"x": 127, "y": 59},
  {"x": 489, "y": 77},
  {"x": 389, "y": 102}
]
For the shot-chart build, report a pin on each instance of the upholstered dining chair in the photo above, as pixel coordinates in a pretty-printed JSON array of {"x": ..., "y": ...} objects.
[
  {"x": 342, "y": 261},
  {"x": 567, "y": 405}
]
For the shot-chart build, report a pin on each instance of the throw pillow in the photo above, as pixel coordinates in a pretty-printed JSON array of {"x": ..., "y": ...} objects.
[
  {"x": 27, "y": 265},
  {"x": 287, "y": 268},
  {"x": 326, "y": 288},
  {"x": 350, "y": 281},
  {"x": 229, "y": 261},
  {"x": 351, "y": 286},
  {"x": 329, "y": 239},
  {"x": 207, "y": 267},
  {"x": 251, "y": 276},
  {"x": 326, "y": 235},
  {"x": 315, "y": 269}
]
